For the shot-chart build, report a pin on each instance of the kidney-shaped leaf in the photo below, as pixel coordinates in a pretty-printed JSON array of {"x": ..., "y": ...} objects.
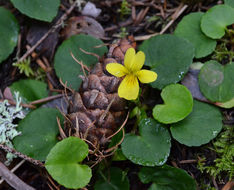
[
  {"x": 30, "y": 90},
  {"x": 63, "y": 163},
  {"x": 151, "y": 148},
  {"x": 215, "y": 21},
  {"x": 9, "y": 29},
  {"x": 114, "y": 180},
  {"x": 169, "y": 56},
  {"x": 44, "y": 10},
  {"x": 167, "y": 178},
  {"x": 189, "y": 29},
  {"x": 178, "y": 103},
  {"x": 201, "y": 126},
  {"x": 66, "y": 67},
  {"x": 217, "y": 81},
  {"x": 39, "y": 130}
]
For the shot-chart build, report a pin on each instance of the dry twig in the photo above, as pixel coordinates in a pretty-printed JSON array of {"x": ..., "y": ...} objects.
[
  {"x": 12, "y": 179},
  {"x": 43, "y": 100},
  {"x": 23, "y": 156},
  {"x": 178, "y": 12}
]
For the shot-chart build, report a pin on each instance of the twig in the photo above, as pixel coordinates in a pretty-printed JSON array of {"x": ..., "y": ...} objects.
[
  {"x": 116, "y": 146},
  {"x": 15, "y": 168},
  {"x": 90, "y": 53},
  {"x": 102, "y": 117},
  {"x": 126, "y": 23},
  {"x": 145, "y": 37},
  {"x": 57, "y": 25},
  {"x": 125, "y": 121},
  {"x": 23, "y": 156},
  {"x": 62, "y": 134},
  {"x": 52, "y": 183},
  {"x": 43, "y": 100},
  {"x": 12, "y": 179},
  {"x": 24, "y": 105},
  {"x": 174, "y": 17},
  {"x": 81, "y": 64},
  {"x": 215, "y": 183},
  {"x": 187, "y": 161}
]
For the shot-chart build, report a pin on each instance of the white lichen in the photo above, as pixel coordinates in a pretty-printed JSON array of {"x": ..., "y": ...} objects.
[{"x": 8, "y": 114}]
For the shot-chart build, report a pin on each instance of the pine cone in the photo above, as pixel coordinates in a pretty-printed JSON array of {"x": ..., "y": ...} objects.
[{"x": 96, "y": 111}]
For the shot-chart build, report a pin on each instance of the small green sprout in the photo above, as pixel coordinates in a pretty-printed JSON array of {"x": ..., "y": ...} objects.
[{"x": 24, "y": 67}]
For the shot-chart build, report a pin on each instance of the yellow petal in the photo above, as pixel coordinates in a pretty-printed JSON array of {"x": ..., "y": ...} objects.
[
  {"x": 146, "y": 76},
  {"x": 129, "y": 58},
  {"x": 132, "y": 61},
  {"x": 116, "y": 69},
  {"x": 138, "y": 61},
  {"x": 129, "y": 88}
]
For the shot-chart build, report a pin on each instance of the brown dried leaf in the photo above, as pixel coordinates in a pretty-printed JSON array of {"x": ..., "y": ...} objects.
[
  {"x": 83, "y": 24},
  {"x": 47, "y": 47}
]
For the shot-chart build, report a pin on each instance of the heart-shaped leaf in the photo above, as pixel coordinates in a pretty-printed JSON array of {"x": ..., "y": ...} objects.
[
  {"x": 201, "y": 126},
  {"x": 215, "y": 21},
  {"x": 8, "y": 33},
  {"x": 151, "y": 148},
  {"x": 167, "y": 178},
  {"x": 189, "y": 29},
  {"x": 178, "y": 103},
  {"x": 216, "y": 81},
  {"x": 30, "y": 90},
  {"x": 229, "y": 2},
  {"x": 39, "y": 131},
  {"x": 63, "y": 163},
  {"x": 113, "y": 180},
  {"x": 44, "y": 10},
  {"x": 169, "y": 56},
  {"x": 66, "y": 67}
]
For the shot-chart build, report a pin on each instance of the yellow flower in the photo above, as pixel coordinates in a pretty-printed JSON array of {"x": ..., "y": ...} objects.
[{"x": 129, "y": 87}]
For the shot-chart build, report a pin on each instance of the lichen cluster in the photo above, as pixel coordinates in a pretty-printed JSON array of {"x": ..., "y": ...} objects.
[{"x": 8, "y": 114}]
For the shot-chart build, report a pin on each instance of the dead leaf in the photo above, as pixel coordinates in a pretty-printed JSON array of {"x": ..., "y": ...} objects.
[
  {"x": 83, "y": 24},
  {"x": 191, "y": 82},
  {"x": 47, "y": 47}
]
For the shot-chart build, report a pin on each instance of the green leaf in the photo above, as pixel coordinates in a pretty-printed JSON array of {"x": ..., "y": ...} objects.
[
  {"x": 229, "y": 2},
  {"x": 201, "y": 126},
  {"x": 178, "y": 103},
  {"x": 151, "y": 148},
  {"x": 66, "y": 67},
  {"x": 39, "y": 130},
  {"x": 9, "y": 29},
  {"x": 189, "y": 29},
  {"x": 118, "y": 155},
  {"x": 216, "y": 81},
  {"x": 228, "y": 104},
  {"x": 30, "y": 90},
  {"x": 167, "y": 178},
  {"x": 169, "y": 56},
  {"x": 115, "y": 179},
  {"x": 215, "y": 21},
  {"x": 44, "y": 10},
  {"x": 63, "y": 163}
]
